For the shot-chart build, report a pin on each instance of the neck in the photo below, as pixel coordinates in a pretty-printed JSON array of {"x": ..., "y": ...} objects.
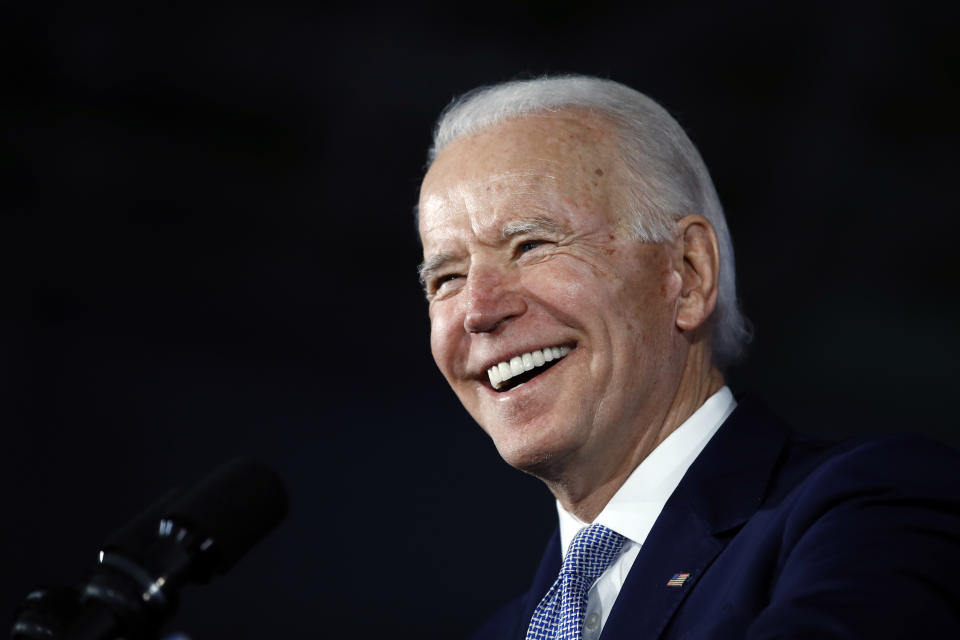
[{"x": 584, "y": 492}]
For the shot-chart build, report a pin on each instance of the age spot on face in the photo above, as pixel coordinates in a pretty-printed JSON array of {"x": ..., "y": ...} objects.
[{"x": 599, "y": 173}]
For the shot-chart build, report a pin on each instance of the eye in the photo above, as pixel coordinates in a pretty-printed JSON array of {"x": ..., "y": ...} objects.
[
  {"x": 438, "y": 283},
  {"x": 528, "y": 245}
]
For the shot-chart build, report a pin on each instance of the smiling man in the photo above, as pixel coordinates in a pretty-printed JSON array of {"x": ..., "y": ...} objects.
[{"x": 580, "y": 281}]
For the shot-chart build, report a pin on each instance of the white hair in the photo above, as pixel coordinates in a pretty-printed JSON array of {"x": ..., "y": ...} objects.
[{"x": 667, "y": 177}]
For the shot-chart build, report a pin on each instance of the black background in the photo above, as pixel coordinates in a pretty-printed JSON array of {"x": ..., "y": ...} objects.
[{"x": 208, "y": 236}]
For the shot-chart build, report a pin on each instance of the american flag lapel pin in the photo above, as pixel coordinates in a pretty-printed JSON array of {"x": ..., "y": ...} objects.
[{"x": 678, "y": 579}]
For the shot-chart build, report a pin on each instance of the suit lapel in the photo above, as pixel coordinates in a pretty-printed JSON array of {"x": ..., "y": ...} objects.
[
  {"x": 720, "y": 491},
  {"x": 546, "y": 574},
  {"x": 646, "y": 603}
]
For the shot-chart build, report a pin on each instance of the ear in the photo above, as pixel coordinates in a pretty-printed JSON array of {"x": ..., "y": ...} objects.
[{"x": 698, "y": 257}]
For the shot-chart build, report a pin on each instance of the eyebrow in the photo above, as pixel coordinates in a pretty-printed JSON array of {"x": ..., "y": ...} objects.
[
  {"x": 510, "y": 230},
  {"x": 529, "y": 225},
  {"x": 431, "y": 264}
]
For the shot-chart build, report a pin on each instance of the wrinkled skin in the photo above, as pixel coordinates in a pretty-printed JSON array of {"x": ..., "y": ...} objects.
[{"x": 525, "y": 247}]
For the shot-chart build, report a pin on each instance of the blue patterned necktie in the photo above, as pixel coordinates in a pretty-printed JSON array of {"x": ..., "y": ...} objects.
[{"x": 559, "y": 616}]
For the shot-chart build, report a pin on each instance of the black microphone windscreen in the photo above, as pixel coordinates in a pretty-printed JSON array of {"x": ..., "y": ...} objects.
[{"x": 235, "y": 506}]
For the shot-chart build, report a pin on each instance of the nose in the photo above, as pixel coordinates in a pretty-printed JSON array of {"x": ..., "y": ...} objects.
[{"x": 491, "y": 299}]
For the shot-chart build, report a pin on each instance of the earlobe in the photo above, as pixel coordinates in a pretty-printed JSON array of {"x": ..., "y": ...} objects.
[{"x": 699, "y": 257}]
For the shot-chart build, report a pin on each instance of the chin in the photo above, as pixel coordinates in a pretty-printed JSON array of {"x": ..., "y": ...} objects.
[{"x": 537, "y": 456}]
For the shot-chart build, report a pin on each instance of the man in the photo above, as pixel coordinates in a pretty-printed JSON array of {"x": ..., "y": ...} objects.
[{"x": 580, "y": 282}]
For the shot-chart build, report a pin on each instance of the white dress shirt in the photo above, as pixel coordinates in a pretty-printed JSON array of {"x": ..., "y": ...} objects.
[{"x": 637, "y": 504}]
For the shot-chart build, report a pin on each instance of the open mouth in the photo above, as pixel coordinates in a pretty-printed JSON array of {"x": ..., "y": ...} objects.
[{"x": 519, "y": 369}]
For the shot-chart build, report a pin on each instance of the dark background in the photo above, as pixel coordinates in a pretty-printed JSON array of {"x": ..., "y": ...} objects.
[{"x": 208, "y": 237}]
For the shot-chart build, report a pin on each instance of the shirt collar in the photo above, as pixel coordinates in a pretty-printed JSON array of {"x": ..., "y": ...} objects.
[{"x": 637, "y": 504}]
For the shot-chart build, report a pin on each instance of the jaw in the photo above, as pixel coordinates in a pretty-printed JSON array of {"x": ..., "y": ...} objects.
[
  {"x": 533, "y": 423},
  {"x": 570, "y": 426}
]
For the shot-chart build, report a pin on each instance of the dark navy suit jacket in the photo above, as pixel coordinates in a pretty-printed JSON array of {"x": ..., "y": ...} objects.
[{"x": 785, "y": 536}]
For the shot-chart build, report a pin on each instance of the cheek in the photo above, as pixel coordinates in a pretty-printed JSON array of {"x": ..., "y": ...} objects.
[
  {"x": 443, "y": 340},
  {"x": 565, "y": 285},
  {"x": 645, "y": 302},
  {"x": 436, "y": 345},
  {"x": 439, "y": 336}
]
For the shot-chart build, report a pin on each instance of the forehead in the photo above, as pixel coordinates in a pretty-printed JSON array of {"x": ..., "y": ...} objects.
[{"x": 557, "y": 163}]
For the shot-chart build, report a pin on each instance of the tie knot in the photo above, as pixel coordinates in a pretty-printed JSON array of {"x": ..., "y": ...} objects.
[{"x": 591, "y": 551}]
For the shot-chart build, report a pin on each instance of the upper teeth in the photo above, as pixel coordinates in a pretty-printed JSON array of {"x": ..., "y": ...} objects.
[{"x": 503, "y": 371}]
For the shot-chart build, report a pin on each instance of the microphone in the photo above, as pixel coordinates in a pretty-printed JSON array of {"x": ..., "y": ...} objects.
[{"x": 185, "y": 537}]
